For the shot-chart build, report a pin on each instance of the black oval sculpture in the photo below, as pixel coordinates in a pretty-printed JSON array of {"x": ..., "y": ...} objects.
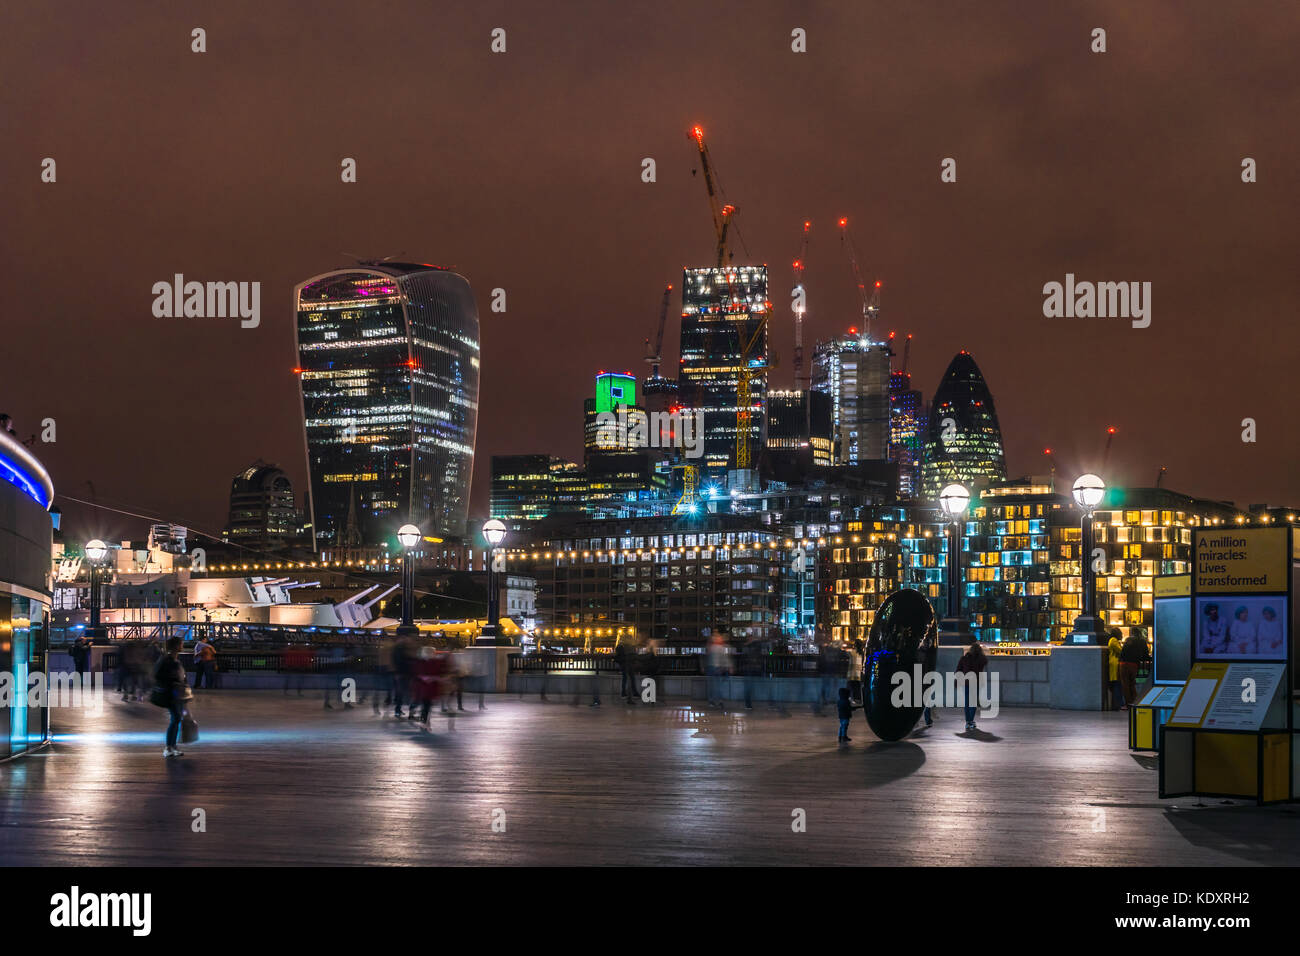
[{"x": 904, "y": 634}]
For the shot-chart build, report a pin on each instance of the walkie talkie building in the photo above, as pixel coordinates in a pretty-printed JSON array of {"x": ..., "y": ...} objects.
[{"x": 388, "y": 368}]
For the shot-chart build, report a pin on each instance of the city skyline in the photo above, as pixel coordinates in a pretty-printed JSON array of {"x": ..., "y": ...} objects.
[{"x": 561, "y": 221}]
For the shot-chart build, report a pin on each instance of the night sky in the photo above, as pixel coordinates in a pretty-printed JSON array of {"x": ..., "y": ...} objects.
[{"x": 522, "y": 171}]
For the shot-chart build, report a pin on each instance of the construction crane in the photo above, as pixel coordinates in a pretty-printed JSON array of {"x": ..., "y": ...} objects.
[
  {"x": 747, "y": 340},
  {"x": 1105, "y": 455},
  {"x": 722, "y": 212},
  {"x": 656, "y": 356},
  {"x": 799, "y": 304},
  {"x": 1051, "y": 462},
  {"x": 870, "y": 302},
  {"x": 1160, "y": 476}
]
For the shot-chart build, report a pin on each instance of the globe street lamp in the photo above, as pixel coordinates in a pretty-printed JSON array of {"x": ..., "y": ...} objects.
[
  {"x": 494, "y": 532},
  {"x": 96, "y": 551},
  {"x": 955, "y": 628},
  {"x": 408, "y": 536},
  {"x": 1088, "y": 491}
]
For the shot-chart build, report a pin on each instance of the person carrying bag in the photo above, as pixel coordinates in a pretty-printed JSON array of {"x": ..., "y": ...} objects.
[{"x": 172, "y": 691}]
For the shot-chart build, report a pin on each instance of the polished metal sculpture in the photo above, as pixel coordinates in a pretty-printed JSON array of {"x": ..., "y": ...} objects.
[{"x": 904, "y": 634}]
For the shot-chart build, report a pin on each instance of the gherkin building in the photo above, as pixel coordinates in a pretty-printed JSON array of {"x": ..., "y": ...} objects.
[{"x": 963, "y": 442}]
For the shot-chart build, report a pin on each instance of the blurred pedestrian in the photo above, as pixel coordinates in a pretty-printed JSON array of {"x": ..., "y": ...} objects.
[
  {"x": 424, "y": 684},
  {"x": 404, "y": 660},
  {"x": 381, "y": 677},
  {"x": 624, "y": 657},
  {"x": 295, "y": 661},
  {"x": 80, "y": 653},
  {"x": 855, "y": 671},
  {"x": 716, "y": 665},
  {"x": 172, "y": 691}
]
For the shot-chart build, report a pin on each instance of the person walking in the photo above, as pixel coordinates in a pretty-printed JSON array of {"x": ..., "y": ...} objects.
[
  {"x": 716, "y": 666},
  {"x": 403, "y": 662},
  {"x": 1132, "y": 655},
  {"x": 172, "y": 691},
  {"x": 623, "y": 652},
  {"x": 855, "y": 671},
  {"x": 80, "y": 651},
  {"x": 972, "y": 662},
  {"x": 1117, "y": 699}
]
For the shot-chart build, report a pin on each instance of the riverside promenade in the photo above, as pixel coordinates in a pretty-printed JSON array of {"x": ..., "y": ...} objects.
[{"x": 281, "y": 780}]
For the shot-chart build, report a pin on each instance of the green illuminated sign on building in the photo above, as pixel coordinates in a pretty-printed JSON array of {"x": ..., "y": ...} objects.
[{"x": 614, "y": 391}]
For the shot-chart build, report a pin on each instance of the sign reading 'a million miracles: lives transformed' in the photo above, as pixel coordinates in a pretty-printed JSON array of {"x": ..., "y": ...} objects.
[{"x": 1242, "y": 560}]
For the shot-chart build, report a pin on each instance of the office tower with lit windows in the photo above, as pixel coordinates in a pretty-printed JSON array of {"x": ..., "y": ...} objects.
[
  {"x": 724, "y": 331},
  {"x": 613, "y": 422},
  {"x": 854, "y": 372},
  {"x": 906, "y": 432},
  {"x": 263, "y": 510},
  {"x": 388, "y": 356},
  {"x": 963, "y": 442},
  {"x": 799, "y": 426}
]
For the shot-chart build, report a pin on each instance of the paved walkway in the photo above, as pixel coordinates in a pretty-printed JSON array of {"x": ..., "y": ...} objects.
[{"x": 281, "y": 780}]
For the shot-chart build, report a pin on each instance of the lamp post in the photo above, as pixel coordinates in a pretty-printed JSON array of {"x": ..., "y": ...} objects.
[
  {"x": 408, "y": 535},
  {"x": 1088, "y": 629},
  {"x": 954, "y": 629},
  {"x": 96, "y": 551},
  {"x": 495, "y": 532}
]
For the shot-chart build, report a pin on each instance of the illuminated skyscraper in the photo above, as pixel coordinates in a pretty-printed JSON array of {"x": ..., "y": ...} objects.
[
  {"x": 906, "y": 430},
  {"x": 388, "y": 356},
  {"x": 963, "y": 442},
  {"x": 854, "y": 372},
  {"x": 723, "y": 313}
]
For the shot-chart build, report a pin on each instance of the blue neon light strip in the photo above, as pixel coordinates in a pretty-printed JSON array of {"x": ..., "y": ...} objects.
[{"x": 20, "y": 468}]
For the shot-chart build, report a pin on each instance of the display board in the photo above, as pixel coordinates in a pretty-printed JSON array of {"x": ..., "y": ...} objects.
[{"x": 1171, "y": 647}]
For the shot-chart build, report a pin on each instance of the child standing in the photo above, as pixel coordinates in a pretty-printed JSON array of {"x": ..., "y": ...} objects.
[{"x": 846, "y": 707}]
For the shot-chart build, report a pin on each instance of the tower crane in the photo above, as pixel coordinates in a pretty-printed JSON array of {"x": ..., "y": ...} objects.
[
  {"x": 722, "y": 212},
  {"x": 1160, "y": 476},
  {"x": 799, "y": 304},
  {"x": 870, "y": 302},
  {"x": 655, "y": 357},
  {"x": 1105, "y": 455}
]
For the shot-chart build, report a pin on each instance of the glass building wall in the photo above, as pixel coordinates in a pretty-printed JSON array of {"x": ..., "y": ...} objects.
[{"x": 388, "y": 359}]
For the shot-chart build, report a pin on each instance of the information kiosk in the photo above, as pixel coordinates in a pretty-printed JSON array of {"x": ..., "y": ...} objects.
[
  {"x": 1232, "y": 731},
  {"x": 1171, "y": 652}
]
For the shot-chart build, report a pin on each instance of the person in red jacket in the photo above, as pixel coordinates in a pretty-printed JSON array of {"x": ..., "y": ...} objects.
[
  {"x": 972, "y": 662},
  {"x": 426, "y": 683}
]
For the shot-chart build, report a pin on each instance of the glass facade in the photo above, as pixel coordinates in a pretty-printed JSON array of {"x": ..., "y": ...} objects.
[
  {"x": 963, "y": 441},
  {"x": 854, "y": 372},
  {"x": 906, "y": 431},
  {"x": 724, "y": 323},
  {"x": 388, "y": 359}
]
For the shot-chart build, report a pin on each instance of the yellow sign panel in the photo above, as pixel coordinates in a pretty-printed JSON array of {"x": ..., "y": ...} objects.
[
  {"x": 1200, "y": 689},
  {"x": 1173, "y": 585},
  {"x": 1246, "y": 560}
]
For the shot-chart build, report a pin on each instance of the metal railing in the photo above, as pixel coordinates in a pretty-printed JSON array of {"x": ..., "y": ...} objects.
[{"x": 678, "y": 665}]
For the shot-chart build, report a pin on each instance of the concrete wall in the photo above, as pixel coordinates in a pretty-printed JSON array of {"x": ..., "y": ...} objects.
[{"x": 1071, "y": 678}]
